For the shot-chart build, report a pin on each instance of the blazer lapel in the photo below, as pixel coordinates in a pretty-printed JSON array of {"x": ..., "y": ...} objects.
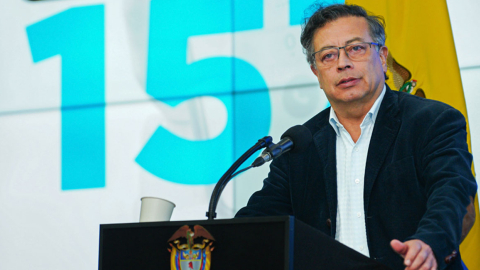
[
  {"x": 325, "y": 142},
  {"x": 384, "y": 134}
]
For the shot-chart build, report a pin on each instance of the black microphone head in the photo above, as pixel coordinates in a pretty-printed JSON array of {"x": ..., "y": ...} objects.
[{"x": 300, "y": 137}]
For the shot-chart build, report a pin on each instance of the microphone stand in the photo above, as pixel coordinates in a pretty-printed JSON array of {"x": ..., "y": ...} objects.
[{"x": 217, "y": 191}]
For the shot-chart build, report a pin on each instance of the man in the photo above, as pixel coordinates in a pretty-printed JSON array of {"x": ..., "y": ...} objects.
[{"x": 388, "y": 173}]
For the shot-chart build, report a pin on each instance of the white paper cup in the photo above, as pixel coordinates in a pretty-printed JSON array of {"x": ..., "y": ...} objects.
[{"x": 155, "y": 209}]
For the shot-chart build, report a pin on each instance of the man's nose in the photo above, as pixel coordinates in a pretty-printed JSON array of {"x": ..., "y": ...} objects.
[{"x": 344, "y": 61}]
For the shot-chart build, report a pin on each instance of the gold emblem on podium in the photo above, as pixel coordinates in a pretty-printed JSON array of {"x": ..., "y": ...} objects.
[{"x": 191, "y": 250}]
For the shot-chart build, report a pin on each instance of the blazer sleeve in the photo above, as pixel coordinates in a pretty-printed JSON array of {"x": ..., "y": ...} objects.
[
  {"x": 274, "y": 198},
  {"x": 445, "y": 166}
]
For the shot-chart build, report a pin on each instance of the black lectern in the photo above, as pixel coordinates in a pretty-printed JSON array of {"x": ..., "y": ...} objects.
[{"x": 243, "y": 243}]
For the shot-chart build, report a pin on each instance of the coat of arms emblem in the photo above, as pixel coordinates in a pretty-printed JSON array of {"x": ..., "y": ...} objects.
[{"x": 191, "y": 250}]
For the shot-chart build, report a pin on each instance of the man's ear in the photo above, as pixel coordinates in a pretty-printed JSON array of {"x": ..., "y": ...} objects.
[
  {"x": 314, "y": 70},
  {"x": 383, "y": 52}
]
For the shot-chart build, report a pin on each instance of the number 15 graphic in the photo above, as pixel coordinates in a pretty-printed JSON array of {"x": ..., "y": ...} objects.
[{"x": 77, "y": 35}]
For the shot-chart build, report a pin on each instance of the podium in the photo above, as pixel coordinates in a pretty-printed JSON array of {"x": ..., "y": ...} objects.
[{"x": 242, "y": 243}]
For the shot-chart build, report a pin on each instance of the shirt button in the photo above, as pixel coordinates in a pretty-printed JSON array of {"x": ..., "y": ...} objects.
[
  {"x": 357, "y": 181},
  {"x": 359, "y": 214},
  {"x": 356, "y": 149},
  {"x": 361, "y": 247}
]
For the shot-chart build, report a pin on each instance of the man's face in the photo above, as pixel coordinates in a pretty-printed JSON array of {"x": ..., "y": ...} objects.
[{"x": 347, "y": 81}]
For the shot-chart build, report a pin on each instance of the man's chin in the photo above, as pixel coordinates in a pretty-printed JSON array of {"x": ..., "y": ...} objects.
[{"x": 353, "y": 97}]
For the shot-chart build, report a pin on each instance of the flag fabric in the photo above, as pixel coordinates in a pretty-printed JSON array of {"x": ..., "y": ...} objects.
[{"x": 422, "y": 60}]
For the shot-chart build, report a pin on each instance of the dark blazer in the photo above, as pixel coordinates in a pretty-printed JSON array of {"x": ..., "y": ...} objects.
[{"x": 418, "y": 179}]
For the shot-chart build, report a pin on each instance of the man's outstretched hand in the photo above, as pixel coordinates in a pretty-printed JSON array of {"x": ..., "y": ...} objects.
[{"x": 417, "y": 255}]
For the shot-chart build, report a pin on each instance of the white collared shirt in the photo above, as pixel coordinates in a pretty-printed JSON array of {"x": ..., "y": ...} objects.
[{"x": 351, "y": 162}]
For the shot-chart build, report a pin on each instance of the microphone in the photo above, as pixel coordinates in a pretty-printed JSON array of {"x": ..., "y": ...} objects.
[{"x": 296, "y": 139}]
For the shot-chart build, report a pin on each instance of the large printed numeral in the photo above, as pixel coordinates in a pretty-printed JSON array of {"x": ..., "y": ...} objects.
[
  {"x": 233, "y": 81},
  {"x": 77, "y": 35}
]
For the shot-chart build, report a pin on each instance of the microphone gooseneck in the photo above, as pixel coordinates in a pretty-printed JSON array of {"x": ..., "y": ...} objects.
[
  {"x": 295, "y": 139},
  {"x": 217, "y": 191}
]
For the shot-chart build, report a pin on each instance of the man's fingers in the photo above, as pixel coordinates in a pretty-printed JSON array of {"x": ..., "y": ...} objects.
[
  {"x": 417, "y": 255},
  {"x": 423, "y": 259},
  {"x": 399, "y": 247},
  {"x": 429, "y": 264},
  {"x": 413, "y": 249}
]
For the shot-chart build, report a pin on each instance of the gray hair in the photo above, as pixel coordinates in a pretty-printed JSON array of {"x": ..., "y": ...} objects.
[{"x": 324, "y": 15}]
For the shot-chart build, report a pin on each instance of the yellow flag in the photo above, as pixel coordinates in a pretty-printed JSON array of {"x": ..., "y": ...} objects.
[{"x": 422, "y": 60}]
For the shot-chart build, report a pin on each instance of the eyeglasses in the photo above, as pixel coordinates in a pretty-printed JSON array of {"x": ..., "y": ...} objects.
[{"x": 356, "y": 52}]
